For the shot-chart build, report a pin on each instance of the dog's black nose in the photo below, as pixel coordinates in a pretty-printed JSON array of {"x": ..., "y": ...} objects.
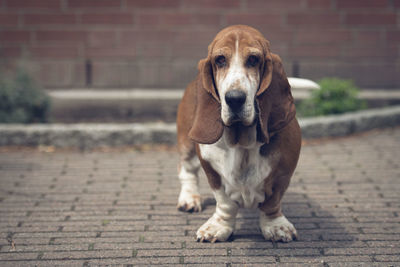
[{"x": 235, "y": 99}]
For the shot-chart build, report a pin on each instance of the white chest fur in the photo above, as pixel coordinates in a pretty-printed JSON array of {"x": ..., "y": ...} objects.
[{"x": 242, "y": 169}]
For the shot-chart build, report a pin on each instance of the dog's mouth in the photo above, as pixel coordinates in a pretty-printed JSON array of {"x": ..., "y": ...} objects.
[
  {"x": 238, "y": 124},
  {"x": 236, "y": 121}
]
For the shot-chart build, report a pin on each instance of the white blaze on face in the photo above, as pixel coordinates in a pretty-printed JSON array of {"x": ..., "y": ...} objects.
[{"x": 237, "y": 77}]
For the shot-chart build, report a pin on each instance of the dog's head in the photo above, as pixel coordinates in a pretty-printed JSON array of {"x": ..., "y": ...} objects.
[{"x": 240, "y": 79}]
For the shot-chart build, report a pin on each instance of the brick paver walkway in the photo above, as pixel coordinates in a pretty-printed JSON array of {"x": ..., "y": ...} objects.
[{"x": 118, "y": 207}]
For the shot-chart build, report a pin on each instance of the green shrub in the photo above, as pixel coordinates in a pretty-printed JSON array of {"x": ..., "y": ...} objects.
[
  {"x": 335, "y": 96},
  {"x": 22, "y": 100}
]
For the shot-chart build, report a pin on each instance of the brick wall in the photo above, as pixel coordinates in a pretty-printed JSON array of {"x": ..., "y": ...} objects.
[{"x": 157, "y": 43}]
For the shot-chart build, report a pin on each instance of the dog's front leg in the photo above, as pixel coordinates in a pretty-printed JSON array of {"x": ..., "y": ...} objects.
[
  {"x": 222, "y": 224},
  {"x": 273, "y": 224}
]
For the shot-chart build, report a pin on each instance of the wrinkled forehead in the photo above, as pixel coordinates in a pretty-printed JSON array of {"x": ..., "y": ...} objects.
[{"x": 233, "y": 42}]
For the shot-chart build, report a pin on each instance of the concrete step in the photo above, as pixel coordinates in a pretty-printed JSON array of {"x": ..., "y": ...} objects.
[
  {"x": 143, "y": 105},
  {"x": 136, "y": 105}
]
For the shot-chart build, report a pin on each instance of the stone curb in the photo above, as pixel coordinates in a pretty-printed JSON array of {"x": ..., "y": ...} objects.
[
  {"x": 86, "y": 136},
  {"x": 354, "y": 122}
]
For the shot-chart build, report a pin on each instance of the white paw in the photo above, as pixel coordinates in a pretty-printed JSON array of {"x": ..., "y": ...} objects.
[
  {"x": 189, "y": 201},
  {"x": 215, "y": 229},
  {"x": 277, "y": 229}
]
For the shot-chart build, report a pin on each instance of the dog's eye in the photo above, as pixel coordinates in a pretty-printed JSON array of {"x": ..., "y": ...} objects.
[
  {"x": 220, "y": 61},
  {"x": 252, "y": 61}
]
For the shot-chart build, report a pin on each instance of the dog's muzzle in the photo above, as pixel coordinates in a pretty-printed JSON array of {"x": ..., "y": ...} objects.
[
  {"x": 239, "y": 111},
  {"x": 235, "y": 100}
]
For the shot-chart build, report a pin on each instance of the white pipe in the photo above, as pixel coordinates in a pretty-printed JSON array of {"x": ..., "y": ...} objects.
[{"x": 302, "y": 84}]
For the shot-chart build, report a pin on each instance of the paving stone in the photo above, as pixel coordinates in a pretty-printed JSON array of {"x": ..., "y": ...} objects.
[
  {"x": 361, "y": 251},
  {"x": 392, "y": 258},
  {"x": 71, "y": 263},
  {"x": 326, "y": 259},
  {"x": 40, "y": 248},
  {"x": 87, "y": 254},
  {"x": 118, "y": 207},
  {"x": 18, "y": 256}
]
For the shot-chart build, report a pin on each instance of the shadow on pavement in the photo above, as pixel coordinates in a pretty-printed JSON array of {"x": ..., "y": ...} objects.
[{"x": 317, "y": 226}]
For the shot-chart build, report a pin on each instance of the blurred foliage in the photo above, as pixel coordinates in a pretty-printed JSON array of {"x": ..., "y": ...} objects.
[
  {"x": 336, "y": 96},
  {"x": 22, "y": 100}
]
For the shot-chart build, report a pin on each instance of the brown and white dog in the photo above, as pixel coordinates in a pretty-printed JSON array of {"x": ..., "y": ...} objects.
[{"x": 238, "y": 117}]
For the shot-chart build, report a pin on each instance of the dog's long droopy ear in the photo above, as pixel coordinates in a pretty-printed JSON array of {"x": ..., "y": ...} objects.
[
  {"x": 266, "y": 71},
  {"x": 207, "y": 125},
  {"x": 275, "y": 103},
  {"x": 207, "y": 77}
]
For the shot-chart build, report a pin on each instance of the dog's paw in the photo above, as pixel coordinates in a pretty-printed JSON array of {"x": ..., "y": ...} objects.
[
  {"x": 277, "y": 229},
  {"x": 189, "y": 202},
  {"x": 215, "y": 229}
]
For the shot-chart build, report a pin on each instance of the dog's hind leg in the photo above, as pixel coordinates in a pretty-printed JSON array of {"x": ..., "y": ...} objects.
[{"x": 188, "y": 169}]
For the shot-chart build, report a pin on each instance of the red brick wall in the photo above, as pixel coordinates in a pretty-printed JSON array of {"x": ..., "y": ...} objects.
[{"x": 157, "y": 43}]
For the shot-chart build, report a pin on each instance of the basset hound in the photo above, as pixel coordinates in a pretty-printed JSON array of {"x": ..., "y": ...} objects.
[{"x": 237, "y": 121}]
